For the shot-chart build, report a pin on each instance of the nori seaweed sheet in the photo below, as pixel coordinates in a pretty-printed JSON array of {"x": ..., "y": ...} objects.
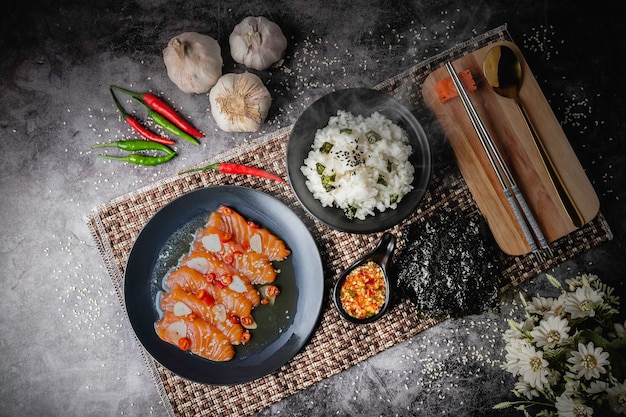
[{"x": 449, "y": 267}]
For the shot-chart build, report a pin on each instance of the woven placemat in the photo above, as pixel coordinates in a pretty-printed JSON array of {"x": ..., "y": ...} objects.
[{"x": 335, "y": 344}]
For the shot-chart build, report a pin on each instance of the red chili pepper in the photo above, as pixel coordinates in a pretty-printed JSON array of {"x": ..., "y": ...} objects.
[
  {"x": 158, "y": 105},
  {"x": 245, "y": 337},
  {"x": 272, "y": 291},
  {"x": 247, "y": 320},
  {"x": 227, "y": 279},
  {"x": 205, "y": 296},
  {"x": 184, "y": 343},
  {"x": 229, "y": 168},
  {"x": 162, "y": 121},
  {"x": 138, "y": 127}
]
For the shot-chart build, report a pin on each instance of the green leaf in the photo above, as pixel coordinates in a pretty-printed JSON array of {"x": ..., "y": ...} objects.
[{"x": 554, "y": 282}]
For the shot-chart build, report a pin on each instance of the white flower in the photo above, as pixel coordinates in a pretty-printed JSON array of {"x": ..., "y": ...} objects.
[
  {"x": 582, "y": 302},
  {"x": 524, "y": 388},
  {"x": 589, "y": 361},
  {"x": 550, "y": 332},
  {"x": 568, "y": 408},
  {"x": 572, "y": 385},
  {"x": 540, "y": 305},
  {"x": 596, "y": 387},
  {"x": 558, "y": 307},
  {"x": 514, "y": 352},
  {"x": 617, "y": 397},
  {"x": 554, "y": 361},
  {"x": 533, "y": 367}
]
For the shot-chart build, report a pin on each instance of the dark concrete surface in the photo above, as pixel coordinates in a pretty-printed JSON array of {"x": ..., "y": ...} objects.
[{"x": 66, "y": 347}]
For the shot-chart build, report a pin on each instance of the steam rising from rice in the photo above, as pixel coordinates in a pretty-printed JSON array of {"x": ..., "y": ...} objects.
[{"x": 359, "y": 164}]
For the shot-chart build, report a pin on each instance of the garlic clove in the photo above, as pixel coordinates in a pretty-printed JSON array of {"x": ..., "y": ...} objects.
[
  {"x": 240, "y": 102},
  {"x": 193, "y": 62},
  {"x": 258, "y": 43}
]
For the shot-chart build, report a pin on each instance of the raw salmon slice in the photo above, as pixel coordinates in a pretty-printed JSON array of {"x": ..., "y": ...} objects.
[
  {"x": 249, "y": 234},
  {"x": 181, "y": 303},
  {"x": 234, "y": 302},
  {"x": 192, "y": 281},
  {"x": 185, "y": 278},
  {"x": 256, "y": 266},
  {"x": 205, "y": 339},
  {"x": 209, "y": 263}
]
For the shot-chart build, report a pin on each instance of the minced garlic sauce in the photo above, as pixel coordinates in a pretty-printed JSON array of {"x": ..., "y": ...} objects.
[{"x": 362, "y": 293}]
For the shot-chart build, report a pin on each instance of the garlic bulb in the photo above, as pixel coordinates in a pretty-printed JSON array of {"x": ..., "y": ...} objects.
[
  {"x": 193, "y": 61},
  {"x": 240, "y": 102},
  {"x": 258, "y": 43}
]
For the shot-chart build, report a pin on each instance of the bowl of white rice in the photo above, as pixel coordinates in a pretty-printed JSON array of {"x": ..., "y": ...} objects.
[{"x": 358, "y": 160}]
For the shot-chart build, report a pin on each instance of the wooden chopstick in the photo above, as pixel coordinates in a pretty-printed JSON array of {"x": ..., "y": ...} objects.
[{"x": 532, "y": 232}]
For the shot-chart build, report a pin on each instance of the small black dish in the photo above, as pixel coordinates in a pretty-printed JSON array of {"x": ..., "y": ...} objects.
[{"x": 381, "y": 255}]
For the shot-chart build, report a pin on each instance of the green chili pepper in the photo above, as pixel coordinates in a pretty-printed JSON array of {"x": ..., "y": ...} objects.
[
  {"x": 137, "y": 126},
  {"x": 137, "y": 145},
  {"x": 138, "y": 159},
  {"x": 328, "y": 182},
  {"x": 326, "y": 147},
  {"x": 162, "y": 121},
  {"x": 372, "y": 136}
]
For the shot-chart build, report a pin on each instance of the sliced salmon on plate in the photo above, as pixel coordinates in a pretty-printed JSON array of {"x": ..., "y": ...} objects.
[
  {"x": 210, "y": 265},
  {"x": 185, "y": 278},
  {"x": 192, "y": 281},
  {"x": 248, "y": 234},
  {"x": 197, "y": 336},
  {"x": 211, "y": 292},
  {"x": 256, "y": 266},
  {"x": 202, "y": 306}
]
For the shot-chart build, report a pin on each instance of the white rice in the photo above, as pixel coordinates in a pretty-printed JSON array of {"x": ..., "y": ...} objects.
[{"x": 360, "y": 167}]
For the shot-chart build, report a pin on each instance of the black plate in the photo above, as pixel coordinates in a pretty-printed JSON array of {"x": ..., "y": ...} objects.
[
  {"x": 357, "y": 101},
  {"x": 282, "y": 328}
]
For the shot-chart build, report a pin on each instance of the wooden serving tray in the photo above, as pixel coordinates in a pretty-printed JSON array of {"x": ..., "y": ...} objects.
[{"x": 506, "y": 125}]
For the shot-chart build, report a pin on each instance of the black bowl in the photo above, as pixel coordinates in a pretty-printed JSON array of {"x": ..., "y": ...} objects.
[
  {"x": 381, "y": 255},
  {"x": 358, "y": 101}
]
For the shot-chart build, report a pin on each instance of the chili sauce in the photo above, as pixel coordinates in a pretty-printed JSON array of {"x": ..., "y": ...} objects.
[{"x": 363, "y": 292}]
